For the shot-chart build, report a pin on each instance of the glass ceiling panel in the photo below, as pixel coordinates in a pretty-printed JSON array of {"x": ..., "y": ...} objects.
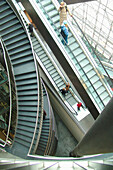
[{"x": 96, "y": 20}]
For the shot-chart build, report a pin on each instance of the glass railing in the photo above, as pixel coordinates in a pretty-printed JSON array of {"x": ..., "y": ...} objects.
[{"x": 93, "y": 53}]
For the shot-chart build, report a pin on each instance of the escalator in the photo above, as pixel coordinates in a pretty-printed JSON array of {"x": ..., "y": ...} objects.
[{"x": 82, "y": 69}]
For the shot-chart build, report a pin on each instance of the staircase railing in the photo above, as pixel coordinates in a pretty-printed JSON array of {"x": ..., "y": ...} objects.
[{"x": 10, "y": 91}]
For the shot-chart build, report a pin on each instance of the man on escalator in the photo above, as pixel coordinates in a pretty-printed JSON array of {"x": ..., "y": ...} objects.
[
  {"x": 65, "y": 89},
  {"x": 31, "y": 29}
]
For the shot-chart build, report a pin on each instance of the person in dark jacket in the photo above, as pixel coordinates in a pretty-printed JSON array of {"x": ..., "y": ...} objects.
[
  {"x": 31, "y": 29},
  {"x": 64, "y": 32},
  {"x": 65, "y": 89}
]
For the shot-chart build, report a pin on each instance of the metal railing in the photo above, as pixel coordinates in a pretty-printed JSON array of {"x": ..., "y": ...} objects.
[{"x": 10, "y": 90}]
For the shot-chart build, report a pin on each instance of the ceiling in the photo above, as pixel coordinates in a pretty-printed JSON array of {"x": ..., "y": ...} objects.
[{"x": 96, "y": 20}]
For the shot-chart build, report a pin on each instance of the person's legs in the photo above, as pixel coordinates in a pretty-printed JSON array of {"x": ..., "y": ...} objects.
[
  {"x": 63, "y": 91},
  {"x": 63, "y": 37},
  {"x": 78, "y": 108},
  {"x": 66, "y": 39}
]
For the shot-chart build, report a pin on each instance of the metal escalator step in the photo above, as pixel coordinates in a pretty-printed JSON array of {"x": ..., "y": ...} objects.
[
  {"x": 15, "y": 34},
  {"x": 47, "y": 62},
  {"x": 53, "y": 13},
  {"x": 74, "y": 47},
  {"x": 27, "y": 119},
  {"x": 25, "y": 98},
  {"x": 22, "y": 60},
  {"x": 8, "y": 24},
  {"x": 6, "y": 13},
  {"x": 60, "y": 85},
  {"x": 77, "y": 52},
  {"x": 4, "y": 7},
  {"x": 26, "y": 76},
  {"x": 14, "y": 40},
  {"x": 21, "y": 69},
  {"x": 30, "y": 103},
  {"x": 42, "y": 145},
  {"x": 24, "y": 134},
  {"x": 91, "y": 74},
  {"x": 72, "y": 43},
  {"x": 45, "y": 3},
  {"x": 7, "y": 19},
  {"x": 21, "y": 88},
  {"x": 29, "y": 108},
  {"x": 72, "y": 101},
  {"x": 27, "y": 81},
  {"x": 87, "y": 68},
  {"x": 35, "y": 43},
  {"x": 27, "y": 53},
  {"x": 104, "y": 95},
  {"x": 45, "y": 136},
  {"x": 49, "y": 8},
  {"x": 55, "y": 74},
  {"x": 100, "y": 90},
  {"x": 44, "y": 139},
  {"x": 2, "y": 3},
  {"x": 50, "y": 67},
  {"x": 38, "y": 49},
  {"x": 23, "y": 141},
  {"x": 98, "y": 85},
  {"x": 27, "y": 114},
  {"x": 94, "y": 79},
  {"x": 58, "y": 81},
  {"x": 44, "y": 59},
  {"x": 45, "y": 127},
  {"x": 55, "y": 18},
  {"x": 84, "y": 62},
  {"x": 57, "y": 25},
  {"x": 46, "y": 121},
  {"x": 45, "y": 132},
  {"x": 41, "y": 148},
  {"x": 42, "y": 56},
  {"x": 27, "y": 124},
  {"x": 18, "y": 44},
  {"x": 57, "y": 78},
  {"x": 41, "y": 53},
  {"x": 106, "y": 100},
  {"x": 20, "y": 49}
]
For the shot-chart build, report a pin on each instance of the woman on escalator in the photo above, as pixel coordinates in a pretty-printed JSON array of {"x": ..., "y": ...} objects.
[{"x": 63, "y": 10}]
